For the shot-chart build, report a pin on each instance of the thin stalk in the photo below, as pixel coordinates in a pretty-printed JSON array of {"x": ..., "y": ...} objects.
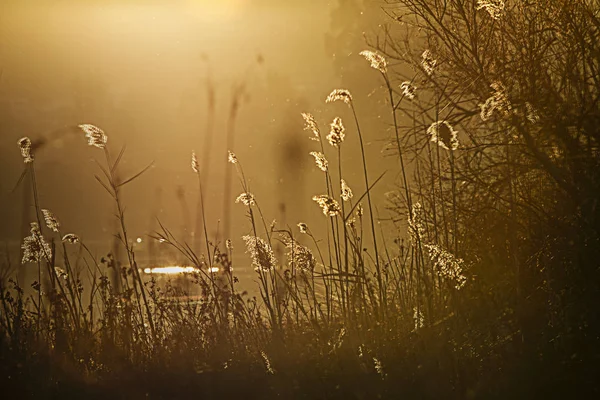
[
  {"x": 201, "y": 205},
  {"x": 366, "y": 175},
  {"x": 130, "y": 254},
  {"x": 39, "y": 220}
]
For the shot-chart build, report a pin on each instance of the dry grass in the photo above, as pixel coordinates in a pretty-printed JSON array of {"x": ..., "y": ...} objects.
[{"x": 451, "y": 305}]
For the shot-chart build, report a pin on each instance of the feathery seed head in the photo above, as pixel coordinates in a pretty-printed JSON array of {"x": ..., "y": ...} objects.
[
  {"x": 341, "y": 95},
  {"x": 351, "y": 223},
  {"x": 428, "y": 62},
  {"x": 95, "y": 136},
  {"x": 487, "y": 108},
  {"x": 299, "y": 256},
  {"x": 51, "y": 221},
  {"x": 25, "y": 146},
  {"x": 379, "y": 367},
  {"x": 31, "y": 250},
  {"x": 448, "y": 265},
  {"x": 61, "y": 273},
  {"x": 377, "y": 60},
  {"x": 231, "y": 157},
  {"x": 267, "y": 363},
  {"x": 303, "y": 227},
  {"x": 311, "y": 125},
  {"x": 263, "y": 258},
  {"x": 35, "y": 248},
  {"x": 408, "y": 90},
  {"x": 330, "y": 207},
  {"x": 320, "y": 160},
  {"x": 444, "y": 135},
  {"x": 419, "y": 318},
  {"x": 501, "y": 98},
  {"x": 498, "y": 101},
  {"x": 195, "y": 164},
  {"x": 70, "y": 238},
  {"x": 273, "y": 225},
  {"x": 346, "y": 192},
  {"x": 416, "y": 230},
  {"x": 336, "y": 134},
  {"x": 246, "y": 198},
  {"x": 359, "y": 210},
  {"x": 494, "y": 7}
]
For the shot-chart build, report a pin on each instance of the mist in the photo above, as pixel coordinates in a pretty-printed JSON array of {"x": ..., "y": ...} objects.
[{"x": 142, "y": 71}]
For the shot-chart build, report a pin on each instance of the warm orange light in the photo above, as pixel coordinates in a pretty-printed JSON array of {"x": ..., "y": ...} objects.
[{"x": 220, "y": 8}]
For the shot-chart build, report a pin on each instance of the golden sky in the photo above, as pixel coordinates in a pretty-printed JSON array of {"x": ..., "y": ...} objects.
[{"x": 138, "y": 69}]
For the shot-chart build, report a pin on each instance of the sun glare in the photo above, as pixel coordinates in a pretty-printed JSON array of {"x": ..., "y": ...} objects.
[
  {"x": 176, "y": 270},
  {"x": 170, "y": 270}
]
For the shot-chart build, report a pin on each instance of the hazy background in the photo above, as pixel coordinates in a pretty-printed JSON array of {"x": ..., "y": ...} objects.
[{"x": 138, "y": 69}]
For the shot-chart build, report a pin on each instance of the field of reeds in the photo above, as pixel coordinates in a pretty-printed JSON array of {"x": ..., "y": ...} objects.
[{"x": 476, "y": 278}]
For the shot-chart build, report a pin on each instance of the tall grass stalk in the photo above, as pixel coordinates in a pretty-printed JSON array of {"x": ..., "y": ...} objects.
[
  {"x": 114, "y": 190},
  {"x": 369, "y": 202}
]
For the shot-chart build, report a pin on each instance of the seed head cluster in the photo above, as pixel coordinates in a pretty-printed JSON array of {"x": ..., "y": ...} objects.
[
  {"x": 320, "y": 160},
  {"x": 444, "y": 135},
  {"x": 195, "y": 164},
  {"x": 330, "y": 207},
  {"x": 311, "y": 125},
  {"x": 35, "y": 248},
  {"x": 494, "y": 7},
  {"x": 346, "y": 192},
  {"x": 448, "y": 265},
  {"x": 95, "y": 136},
  {"x": 60, "y": 273},
  {"x": 25, "y": 146},
  {"x": 487, "y": 109},
  {"x": 428, "y": 62},
  {"x": 300, "y": 257},
  {"x": 379, "y": 367},
  {"x": 231, "y": 157},
  {"x": 246, "y": 198},
  {"x": 419, "y": 318},
  {"x": 267, "y": 363},
  {"x": 416, "y": 229},
  {"x": 497, "y": 102},
  {"x": 377, "y": 60},
  {"x": 303, "y": 227},
  {"x": 408, "y": 90},
  {"x": 339, "y": 95},
  {"x": 351, "y": 223},
  {"x": 51, "y": 221},
  {"x": 359, "y": 210},
  {"x": 70, "y": 238},
  {"x": 263, "y": 257},
  {"x": 336, "y": 134}
]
